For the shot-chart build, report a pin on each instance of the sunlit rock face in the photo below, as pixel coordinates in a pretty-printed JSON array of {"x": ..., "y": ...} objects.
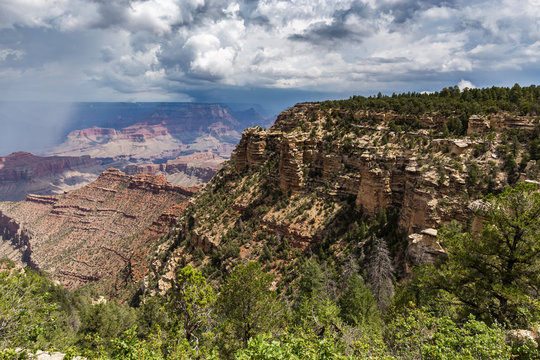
[
  {"x": 102, "y": 234},
  {"x": 322, "y": 171}
]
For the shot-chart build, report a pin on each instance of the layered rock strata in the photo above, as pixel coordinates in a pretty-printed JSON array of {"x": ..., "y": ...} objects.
[
  {"x": 194, "y": 169},
  {"x": 22, "y": 173},
  {"x": 102, "y": 234},
  {"x": 299, "y": 181}
]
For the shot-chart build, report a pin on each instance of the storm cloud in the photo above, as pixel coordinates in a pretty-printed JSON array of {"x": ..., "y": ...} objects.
[{"x": 184, "y": 50}]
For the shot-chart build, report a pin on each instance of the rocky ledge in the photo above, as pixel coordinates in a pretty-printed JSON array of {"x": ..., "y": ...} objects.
[{"x": 23, "y": 166}]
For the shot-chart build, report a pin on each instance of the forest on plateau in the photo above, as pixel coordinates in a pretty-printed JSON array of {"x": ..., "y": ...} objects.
[
  {"x": 228, "y": 284},
  {"x": 452, "y": 101}
]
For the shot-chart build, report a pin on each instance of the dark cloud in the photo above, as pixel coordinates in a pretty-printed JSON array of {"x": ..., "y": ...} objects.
[
  {"x": 175, "y": 56},
  {"x": 248, "y": 12},
  {"x": 478, "y": 32},
  {"x": 111, "y": 14},
  {"x": 323, "y": 34},
  {"x": 404, "y": 11},
  {"x": 156, "y": 49},
  {"x": 339, "y": 29},
  {"x": 342, "y": 28},
  {"x": 107, "y": 55}
]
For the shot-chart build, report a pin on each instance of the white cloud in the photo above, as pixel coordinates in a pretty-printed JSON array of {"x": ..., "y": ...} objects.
[
  {"x": 5, "y": 53},
  {"x": 141, "y": 47},
  {"x": 31, "y": 13},
  {"x": 463, "y": 84}
]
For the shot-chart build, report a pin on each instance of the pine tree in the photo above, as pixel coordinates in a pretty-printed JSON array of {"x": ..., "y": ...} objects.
[
  {"x": 357, "y": 306},
  {"x": 312, "y": 279},
  {"x": 192, "y": 300},
  {"x": 496, "y": 274},
  {"x": 247, "y": 304}
]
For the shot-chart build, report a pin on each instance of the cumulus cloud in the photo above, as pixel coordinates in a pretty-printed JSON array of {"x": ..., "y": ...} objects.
[
  {"x": 115, "y": 49},
  {"x": 31, "y": 13},
  {"x": 465, "y": 84}
]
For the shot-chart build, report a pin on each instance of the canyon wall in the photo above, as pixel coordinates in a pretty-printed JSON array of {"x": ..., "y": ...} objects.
[
  {"x": 22, "y": 173},
  {"x": 102, "y": 234},
  {"x": 322, "y": 175}
]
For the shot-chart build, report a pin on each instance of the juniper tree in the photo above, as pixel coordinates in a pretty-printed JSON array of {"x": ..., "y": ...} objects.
[
  {"x": 247, "y": 304},
  {"x": 191, "y": 299},
  {"x": 496, "y": 274}
]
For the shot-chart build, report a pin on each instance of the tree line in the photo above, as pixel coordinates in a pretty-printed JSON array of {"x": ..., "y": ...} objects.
[{"x": 451, "y": 101}]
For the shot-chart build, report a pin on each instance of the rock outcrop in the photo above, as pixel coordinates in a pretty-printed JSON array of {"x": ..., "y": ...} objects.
[
  {"x": 22, "y": 173},
  {"x": 321, "y": 175},
  {"x": 376, "y": 177},
  {"x": 102, "y": 234},
  {"x": 479, "y": 124},
  {"x": 194, "y": 169},
  {"x": 250, "y": 150},
  {"x": 424, "y": 248}
]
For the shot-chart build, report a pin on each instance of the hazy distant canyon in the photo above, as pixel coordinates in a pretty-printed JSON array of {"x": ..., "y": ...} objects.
[{"x": 187, "y": 143}]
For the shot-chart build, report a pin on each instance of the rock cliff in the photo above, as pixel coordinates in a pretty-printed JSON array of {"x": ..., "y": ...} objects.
[
  {"x": 166, "y": 131},
  {"x": 325, "y": 179},
  {"x": 194, "y": 169},
  {"x": 102, "y": 235},
  {"x": 22, "y": 173}
]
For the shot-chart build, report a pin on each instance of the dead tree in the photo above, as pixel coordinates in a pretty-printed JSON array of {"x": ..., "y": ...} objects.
[{"x": 380, "y": 274}]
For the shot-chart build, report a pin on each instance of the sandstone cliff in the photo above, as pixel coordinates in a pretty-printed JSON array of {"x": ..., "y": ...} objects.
[
  {"x": 22, "y": 173},
  {"x": 102, "y": 235},
  {"x": 324, "y": 180},
  {"x": 187, "y": 170}
]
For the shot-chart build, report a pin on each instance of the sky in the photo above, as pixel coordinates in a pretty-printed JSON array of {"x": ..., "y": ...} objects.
[{"x": 271, "y": 52}]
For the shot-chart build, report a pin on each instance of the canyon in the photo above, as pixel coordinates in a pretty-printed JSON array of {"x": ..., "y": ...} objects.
[
  {"x": 187, "y": 143},
  {"x": 22, "y": 173},
  {"x": 102, "y": 235},
  {"x": 72, "y": 214},
  {"x": 325, "y": 179},
  {"x": 159, "y": 131}
]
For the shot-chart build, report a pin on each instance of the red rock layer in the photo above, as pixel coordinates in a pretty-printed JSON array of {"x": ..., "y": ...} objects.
[
  {"x": 103, "y": 233},
  {"x": 23, "y": 166},
  {"x": 203, "y": 165}
]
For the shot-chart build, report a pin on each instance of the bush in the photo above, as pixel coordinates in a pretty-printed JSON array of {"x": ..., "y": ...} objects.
[{"x": 417, "y": 334}]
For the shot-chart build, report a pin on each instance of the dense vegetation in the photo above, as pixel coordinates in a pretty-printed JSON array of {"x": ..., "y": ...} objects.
[
  {"x": 452, "y": 101},
  {"x": 460, "y": 308}
]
